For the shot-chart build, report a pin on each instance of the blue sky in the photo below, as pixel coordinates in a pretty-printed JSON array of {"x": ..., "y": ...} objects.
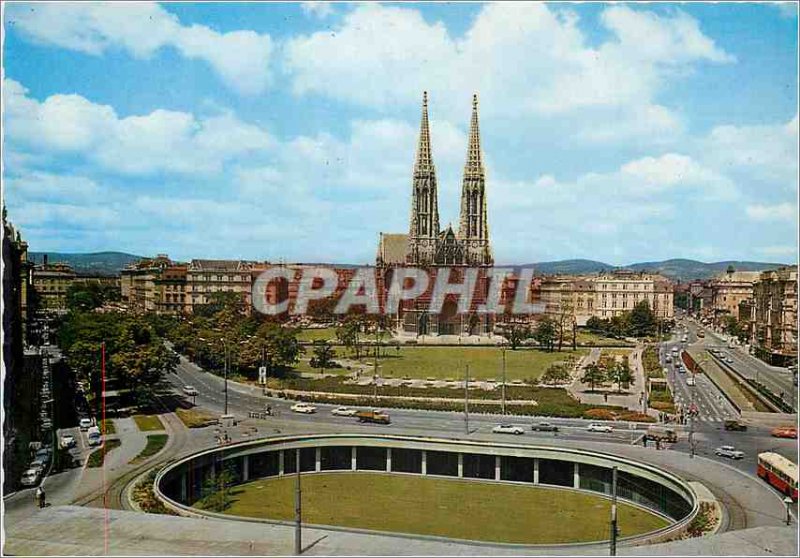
[{"x": 614, "y": 132}]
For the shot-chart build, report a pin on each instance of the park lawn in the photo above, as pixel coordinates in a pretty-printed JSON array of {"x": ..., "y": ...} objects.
[
  {"x": 155, "y": 443},
  {"x": 453, "y": 508},
  {"x": 616, "y": 352},
  {"x": 148, "y": 422},
  {"x": 589, "y": 337},
  {"x": 310, "y": 335},
  {"x": 193, "y": 418},
  {"x": 442, "y": 363},
  {"x": 107, "y": 426}
]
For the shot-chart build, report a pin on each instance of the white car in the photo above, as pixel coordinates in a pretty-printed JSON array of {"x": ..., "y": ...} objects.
[
  {"x": 30, "y": 477},
  {"x": 190, "y": 390},
  {"x": 85, "y": 423},
  {"x": 303, "y": 408},
  {"x": 344, "y": 412},
  {"x": 729, "y": 451},
  {"x": 597, "y": 427},
  {"x": 508, "y": 429},
  {"x": 67, "y": 441},
  {"x": 690, "y": 381}
]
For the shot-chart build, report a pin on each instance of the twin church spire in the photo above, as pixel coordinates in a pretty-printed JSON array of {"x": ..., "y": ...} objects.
[{"x": 427, "y": 244}]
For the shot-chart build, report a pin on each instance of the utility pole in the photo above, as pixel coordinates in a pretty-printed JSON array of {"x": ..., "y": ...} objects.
[
  {"x": 225, "y": 358},
  {"x": 613, "y": 547},
  {"x": 503, "y": 407},
  {"x": 298, "y": 536},
  {"x": 466, "y": 400}
]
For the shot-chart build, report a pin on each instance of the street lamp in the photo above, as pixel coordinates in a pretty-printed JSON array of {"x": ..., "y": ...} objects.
[
  {"x": 788, "y": 501},
  {"x": 503, "y": 387}
]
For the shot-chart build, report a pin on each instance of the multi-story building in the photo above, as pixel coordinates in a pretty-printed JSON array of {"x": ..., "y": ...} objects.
[
  {"x": 170, "y": 290},
  {"x": 204, "y": 277},
  {"x": 51, "y": 283},
  {"x": 774, "y": 315},
  {"x": 729, "y": 289},
  {"x": 138, "y": 283},
  {"x": 606, "y": 295}
]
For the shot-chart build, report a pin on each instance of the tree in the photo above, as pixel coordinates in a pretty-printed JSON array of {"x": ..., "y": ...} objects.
[
  {"x": 564, "y": 321},
  {"x": 619, "y": 373},
  {"x": 216, "y": 491},
  {"x": 619, "y": 325},
  {"x": 642, "y": 320},
  {"x": 279, "y": 345},
  {"x": 349, "y": 334},
  {"x": 546, "y": 334},
  {"x": 593, "y": 375},
  {"x": 556, "y": 373},
  {"x": 323, "y": 355},
  {"x": 516, "y": 335}
]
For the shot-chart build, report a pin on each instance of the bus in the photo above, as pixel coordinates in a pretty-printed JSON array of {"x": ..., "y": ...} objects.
[{"x": 779, "y": 472}]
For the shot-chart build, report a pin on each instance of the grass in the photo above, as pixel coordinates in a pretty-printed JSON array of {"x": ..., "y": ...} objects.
[
  {"x": 98, "y": 455},
  {"x": 650, "y": 363},
  {"x": 155, "y": 443},
  {"x": 107, "y": 426},
  {"x": 590, "y": 338},
  {"x": 195, "y": 419},
  {"x": 484, "y": 363},
  {"x": 148, "y": 422},
  {"x": 442, "y": 507},
  {"x": 311, "y": 335}
]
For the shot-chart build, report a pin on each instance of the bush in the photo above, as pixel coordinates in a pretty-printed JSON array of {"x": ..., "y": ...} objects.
[
  {"x": 599, "y": 414},
  {"x": 97, "y": 457},
  {"x": 144, "y": 496},
  {"x": 633, "y": 416}
]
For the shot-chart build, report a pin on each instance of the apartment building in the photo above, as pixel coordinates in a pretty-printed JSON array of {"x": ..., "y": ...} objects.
[
  {"x": 51, "y": 283},
  {"x": 138, "y": 283},
  {"x": 606, "y": 294},
  {"x": 774, "y": 315},
  {"x": 204, "y": 277},
  {"x": 731, "y": 288}
]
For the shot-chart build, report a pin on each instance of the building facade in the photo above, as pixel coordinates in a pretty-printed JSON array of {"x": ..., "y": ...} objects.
[
  {"x": 606, "y": 295},
  {"x": 51, "y": 283},
  {"x": 774, "y": 315},
  {"x": 729, "y": 289},
  {"x": 205, "y": 277}
]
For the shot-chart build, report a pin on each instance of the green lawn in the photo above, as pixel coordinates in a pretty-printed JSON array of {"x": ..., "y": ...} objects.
[
  {"x": 450, "y": 362},
  {"x": 107, "y": 426},
  {"x": 155, "y": 443},
  {"x": 328, "y": 333},
  {"x": 588, "y": 337},
  {"x": 98, "y": 455},
  {"x": 441, "y": 507},
  {"x": 148, "y": 422}
]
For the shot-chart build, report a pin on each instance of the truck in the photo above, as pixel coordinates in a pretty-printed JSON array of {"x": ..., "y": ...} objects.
[
  {"x": 375, "y": 416},
  {"x": 662, "y": 434}
]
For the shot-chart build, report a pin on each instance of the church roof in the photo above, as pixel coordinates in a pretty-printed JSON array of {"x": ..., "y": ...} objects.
[{"x": 393, "y": 248}]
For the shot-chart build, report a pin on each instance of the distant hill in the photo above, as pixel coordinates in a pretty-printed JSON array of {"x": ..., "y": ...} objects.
[
  {"x": 96, "y": 263},
  {"x": 676, "y": 269}
]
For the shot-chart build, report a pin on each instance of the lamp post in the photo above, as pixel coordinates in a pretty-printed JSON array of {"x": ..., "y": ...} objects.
[
  {"x": 788, "y": 501},
  {"x": 503, "y": 388}
]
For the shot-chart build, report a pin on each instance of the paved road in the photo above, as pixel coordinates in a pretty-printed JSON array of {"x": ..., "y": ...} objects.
[{"x": 776, "y": 379}]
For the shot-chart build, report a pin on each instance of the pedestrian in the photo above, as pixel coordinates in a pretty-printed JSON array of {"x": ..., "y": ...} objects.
[
  {"x": 40, "y": 496},
  {"x": 644, "y": 440},
  {"x": 605, "y": 397},
  {"x": 658, "y": 444}
]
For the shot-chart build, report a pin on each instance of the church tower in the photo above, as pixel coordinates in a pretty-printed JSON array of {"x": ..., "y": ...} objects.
[
  {"x": 473, "y": 231},
  {"x": 424, "y": 228}
]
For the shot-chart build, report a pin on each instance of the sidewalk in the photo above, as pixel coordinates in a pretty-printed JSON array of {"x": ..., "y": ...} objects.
[{"x": 630, "y": 399}]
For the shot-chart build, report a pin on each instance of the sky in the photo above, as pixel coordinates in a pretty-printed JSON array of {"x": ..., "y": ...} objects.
[{"x": 287, "y": 131}]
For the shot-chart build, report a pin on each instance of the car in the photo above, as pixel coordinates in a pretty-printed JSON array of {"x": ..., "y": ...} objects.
[
  {"x": 544, "y": 427},
  {"x": 344, "y": 412},
  {"x": 785, "y": 432},
  {"x": 729, "y": 360},
  {"x": 508, "y": 429},
  {"x": 690, "y": 381},
  {"x": 44, "y": 453},
  {"x": 39, "y": 463},
  {"x": 190, "y": 390},
  {"x": 85, "y": 423},
  {"x": 729, "y": 451},
  {"x": 597, "y": 427},
  {"x": 30, "y": 477},
  {"x": 735, "y": 426},
  {"x": 303, "y": 408},
  {"x": 67, "y": 441}
]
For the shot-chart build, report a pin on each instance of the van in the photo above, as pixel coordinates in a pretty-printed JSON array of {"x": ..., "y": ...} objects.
[{"x": 95, "y": 438}]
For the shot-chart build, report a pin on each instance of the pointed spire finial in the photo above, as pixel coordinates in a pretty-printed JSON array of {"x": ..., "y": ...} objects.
[
  {"x": 475, "y": 100},
  {"x": 424, "y": 162}
]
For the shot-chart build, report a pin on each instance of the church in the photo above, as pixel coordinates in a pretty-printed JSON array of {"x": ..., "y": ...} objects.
[{"x": 428, "y": 246}]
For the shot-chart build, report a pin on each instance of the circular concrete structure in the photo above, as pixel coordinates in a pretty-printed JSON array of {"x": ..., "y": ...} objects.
[{"x": 179, "y": 484}]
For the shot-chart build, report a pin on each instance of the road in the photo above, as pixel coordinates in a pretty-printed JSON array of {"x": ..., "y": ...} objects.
[{"x": 776, "y": 379}]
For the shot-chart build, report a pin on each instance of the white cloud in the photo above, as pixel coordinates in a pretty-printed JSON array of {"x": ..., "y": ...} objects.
[
  {"x": 523, "y": 58},
  {"x": 45, "y": 186},
  {"x": 240, "y": 58},
  {"x": 163, "y": 140},
  {"x": 320, "y": 10},
  {"x": 780, "y": 251},
  {"x": 778, "y": 212}
]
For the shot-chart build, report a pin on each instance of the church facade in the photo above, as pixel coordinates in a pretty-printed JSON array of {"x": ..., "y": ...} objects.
[{"x": 429, "y": 246}]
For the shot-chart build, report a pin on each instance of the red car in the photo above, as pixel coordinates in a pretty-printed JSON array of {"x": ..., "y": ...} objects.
[{"x": 785, "y": 432}]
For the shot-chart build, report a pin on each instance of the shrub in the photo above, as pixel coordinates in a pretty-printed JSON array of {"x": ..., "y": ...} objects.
[
  {"x": 599, "y": 414},
  {"x": 633, "y": 416}
]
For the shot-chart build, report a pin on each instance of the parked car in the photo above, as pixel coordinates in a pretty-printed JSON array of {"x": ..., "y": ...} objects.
[
  {"x": 39, "y": 463},
  {"x": 67, "y": 441},
  {"x": 597, "y": 427},
  {"x": 729, "y": 451},
  {"x": 190, "y": 390},
  {"x": 729, "y": 360},
  {"x": 690, "y": 381},
  {"x": 544, "y": 427},
  {"x": 44, "y": 453},
  {"x": 785, "y": 432},
  {"x": 508, "y": 429},
  {"x": 344, "y": 412},
  {"x": 94, "y": 436},
  {"x": 85, "y": 423},
  {"x": 303, "y": 408},
  {"x": 30, "y": 477}
]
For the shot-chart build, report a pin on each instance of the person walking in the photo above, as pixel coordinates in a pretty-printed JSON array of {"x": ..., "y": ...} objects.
[{"x": 40, "y": 497}]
